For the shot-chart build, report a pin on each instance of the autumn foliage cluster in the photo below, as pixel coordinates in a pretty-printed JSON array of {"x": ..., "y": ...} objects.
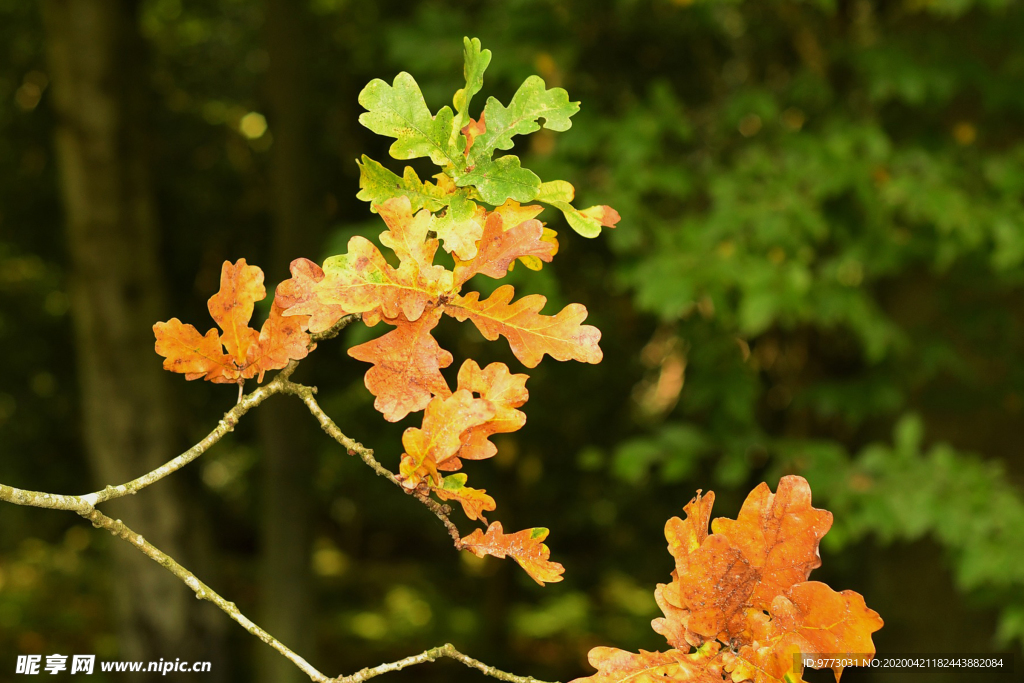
[
  {"x": 739, "y": 596},
  {"x": 411, "y": 292}
]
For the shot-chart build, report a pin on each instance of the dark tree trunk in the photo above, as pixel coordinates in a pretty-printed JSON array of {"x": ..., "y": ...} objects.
[
  {"x": 287, "y": 429},
  {"x": 96, "y": 58}
]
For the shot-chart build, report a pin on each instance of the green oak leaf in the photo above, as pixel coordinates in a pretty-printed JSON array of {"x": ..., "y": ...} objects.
[
  {"x": 458, "y": 229},
  {"x": 502, "y": 179},
  {"x": 378, "y": 184},
  {"x": 454, "y": 482},
  {"x": 559, "y": 194},
  {"x": 399, "y": 111},
  {"x": 476, "y": 61},
  {"x": 531, "y": 102}
]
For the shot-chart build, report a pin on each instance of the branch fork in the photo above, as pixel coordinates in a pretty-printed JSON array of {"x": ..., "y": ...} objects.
[{"x": 85, "y": 505}]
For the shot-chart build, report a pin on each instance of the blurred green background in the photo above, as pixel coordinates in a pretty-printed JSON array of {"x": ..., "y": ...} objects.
[{"x": 818, "y": 271}]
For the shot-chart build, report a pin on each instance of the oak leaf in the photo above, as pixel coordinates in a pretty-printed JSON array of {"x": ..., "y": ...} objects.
[
  {"x": 427, "y": 448},
  {"x": 506, "y": 392},
  {"x": 531, "y": 103},
  {"x": 238, "y": 352},
  {"x": 811, "y": 619},
  {"x": 475, "y": 60},
  {"x": 407, "y": 364},
  {"x": 474, "y": 502},
  {"x": 619, "y": 666},
  {"x": 530, "y": 334},
  {"x": 779, "y": 535},
  {"x": 525, "y": 547},
  {"x": 297, "y": 296},
  {"x": 586, "y": 222},
  {"x": 457, "y": 427},
  {"x": 362, "y": 281},
  {"x": 399, "y": 111},
  {"x": 499, "y": 247}
]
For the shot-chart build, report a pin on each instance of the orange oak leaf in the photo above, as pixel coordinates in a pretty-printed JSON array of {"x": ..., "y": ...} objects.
[
  {"x": 745, "y": 563},
  {"x": 498, "y": 248},
  {"x": 506, "y": 391},
  {"x": 241, "y": 286},
  {"x": 619, "y": 666},
  {"x": 297, "y": 296},
  {"x": 407, "y": 364},
  {"x": 458, "y": 426},
  {"x": 512, "y": 214},
  {"x": 684, "y": 540},
  {"x": 685, "y": 536},
  {"x": 445, "y": 419},
  {"x": 813, "y": 619},
  {"x": 745, "y": 584},
  {"x": 525, "y": 547},
  {"x": 362, "y": 281},
  {"x": 192, "y": 354},
  {"x": 475, "y": 502},
  {"x": 714, "y": 588},
  {"x": 473, "y": 129},
  {"x": 240, "y": 352},
  {"x": 779, "y": 535},
  {"x": 281, "y": 340},
  {"x": 530, "y": 334}
]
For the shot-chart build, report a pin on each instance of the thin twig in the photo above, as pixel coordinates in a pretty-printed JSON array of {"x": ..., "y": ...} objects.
[
  {"x": 202, "y": 591},
  {"x": 431, "y": 655},
  {"x": 307, "y": 395},
  {"x": 335, "y": 329}
]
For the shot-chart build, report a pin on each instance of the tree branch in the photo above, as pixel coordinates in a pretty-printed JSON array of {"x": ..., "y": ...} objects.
[
  {"x": 85, "y": 506},
  {"x": 202, "y": 591},
  {"x": 87, "y": 502},
  {"x": 246, "y": 403}
]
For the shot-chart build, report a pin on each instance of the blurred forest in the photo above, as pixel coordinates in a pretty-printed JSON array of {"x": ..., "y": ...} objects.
[{"x": 819, "y": 270}]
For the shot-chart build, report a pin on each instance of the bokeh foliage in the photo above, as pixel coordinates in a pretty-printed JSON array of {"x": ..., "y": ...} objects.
[{"x": 818, "y": 270}]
